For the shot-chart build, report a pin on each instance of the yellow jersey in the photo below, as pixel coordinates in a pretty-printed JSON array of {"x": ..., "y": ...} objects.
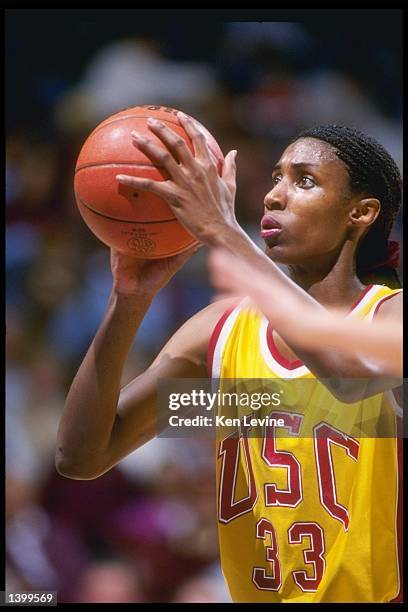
[{"x": 311, "y": 515}]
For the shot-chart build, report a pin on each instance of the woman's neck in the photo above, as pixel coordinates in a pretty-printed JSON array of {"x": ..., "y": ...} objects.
[{"x": 332, "y": 283}]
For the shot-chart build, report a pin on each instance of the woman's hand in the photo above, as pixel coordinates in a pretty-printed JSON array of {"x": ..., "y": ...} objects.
[
  {"x": 202, "y": 200},
  {"x": 145, "y": 277}
]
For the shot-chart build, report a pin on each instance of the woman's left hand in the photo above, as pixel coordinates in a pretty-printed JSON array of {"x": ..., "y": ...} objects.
[{"x": 202, "y": 200}]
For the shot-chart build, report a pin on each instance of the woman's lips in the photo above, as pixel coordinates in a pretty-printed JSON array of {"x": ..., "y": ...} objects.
[
  {"x": 270, "y": 227},
  {"x": 268, "y": 233}
]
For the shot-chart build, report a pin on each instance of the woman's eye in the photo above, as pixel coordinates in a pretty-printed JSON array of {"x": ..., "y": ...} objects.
[
  {"x": 306, "y": 182},
  {"x": 276, "y": 179}
]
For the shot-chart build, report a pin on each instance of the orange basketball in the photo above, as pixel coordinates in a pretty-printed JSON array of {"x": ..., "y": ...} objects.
[{"x": 133, "y": 221}]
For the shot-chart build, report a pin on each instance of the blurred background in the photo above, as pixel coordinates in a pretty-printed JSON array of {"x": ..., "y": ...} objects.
[{"x": 146, "y": 531}]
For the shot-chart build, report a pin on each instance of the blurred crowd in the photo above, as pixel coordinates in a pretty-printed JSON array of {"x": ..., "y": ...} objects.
[{"x": 146, "y": 530}]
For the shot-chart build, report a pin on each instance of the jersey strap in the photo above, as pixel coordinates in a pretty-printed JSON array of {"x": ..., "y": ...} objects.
[{"x": 219, "y": 337}]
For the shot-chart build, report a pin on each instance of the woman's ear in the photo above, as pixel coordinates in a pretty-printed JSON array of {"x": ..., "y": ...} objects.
[{"x": 364, "y": 212}]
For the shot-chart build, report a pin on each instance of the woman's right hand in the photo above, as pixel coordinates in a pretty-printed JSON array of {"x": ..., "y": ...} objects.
[{"x": 145, "y": 277}]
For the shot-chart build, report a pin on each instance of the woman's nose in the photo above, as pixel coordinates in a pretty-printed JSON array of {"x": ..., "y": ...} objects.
[{"x": 275, "y": 198}]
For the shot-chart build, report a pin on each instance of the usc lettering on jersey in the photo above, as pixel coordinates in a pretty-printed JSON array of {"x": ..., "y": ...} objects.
[{"x": 309, "y": 517}]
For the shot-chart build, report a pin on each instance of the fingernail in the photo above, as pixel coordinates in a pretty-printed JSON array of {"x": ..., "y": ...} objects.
[
  {"x": 138, "y": 137},
  {"x": 152, "y": 121},
  {"x": 122, "y": 178}
]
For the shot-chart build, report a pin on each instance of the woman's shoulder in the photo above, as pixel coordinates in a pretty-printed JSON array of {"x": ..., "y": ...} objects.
[{"x": 390, "y": 306}]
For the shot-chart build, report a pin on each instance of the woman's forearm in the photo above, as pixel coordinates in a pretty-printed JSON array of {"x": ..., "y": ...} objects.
[
  {"x": 90, "y": 408},
  {"x": 258, "y": 270}
]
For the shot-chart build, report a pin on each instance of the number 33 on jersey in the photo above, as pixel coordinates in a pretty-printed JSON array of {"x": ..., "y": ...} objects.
[{"x": 307, "y": 513}]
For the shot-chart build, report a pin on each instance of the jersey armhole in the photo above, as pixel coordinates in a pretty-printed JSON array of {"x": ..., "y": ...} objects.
[
  {"x": 381, "y": 302},
  {"x": 214, "y": 338}
]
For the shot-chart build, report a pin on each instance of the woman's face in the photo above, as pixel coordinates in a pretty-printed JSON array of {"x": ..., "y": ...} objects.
[{"x": 307, "y": 208}]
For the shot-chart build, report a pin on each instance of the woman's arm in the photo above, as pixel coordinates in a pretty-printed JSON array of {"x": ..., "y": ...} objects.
[
  {"x": 204, "y": 202},
  {"x": 100, "y": 423},
  {"x": 379, "y": 341}
]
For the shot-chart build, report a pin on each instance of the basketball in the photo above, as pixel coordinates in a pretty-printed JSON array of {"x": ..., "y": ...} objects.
[{"x": 134, "y": 222}]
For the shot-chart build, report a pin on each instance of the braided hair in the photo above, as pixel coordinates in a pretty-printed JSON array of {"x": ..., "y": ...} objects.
[{"x": 372, "y": 170}]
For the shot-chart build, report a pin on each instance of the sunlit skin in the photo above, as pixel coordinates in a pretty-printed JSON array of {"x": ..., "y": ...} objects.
[
  {"x": 310, "y": 188},
  {"x": 311, "y": 198}
]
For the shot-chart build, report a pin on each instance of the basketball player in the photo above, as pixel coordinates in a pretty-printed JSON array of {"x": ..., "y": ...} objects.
[
  {"x": 380, "y": 340},
  {"x": 306, "y": 518}
]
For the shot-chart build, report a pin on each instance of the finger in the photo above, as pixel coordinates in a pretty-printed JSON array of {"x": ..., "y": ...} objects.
[
  {"x": 159, "y": 156},
  {"x": 220, "y": 257},
  {"x": 229, "y": 170},
  {"x": 201, "y": 149},
  {"x": 222, "y": 295},
  {"x": 222, "y": 271},
  {"x": 226, "y": 262},
  {"x": 229, "y": 166},
  {"x": 165, "y": 189},
  {"x": 234, "y": 274},
  {"x": 173, "y": 142}
]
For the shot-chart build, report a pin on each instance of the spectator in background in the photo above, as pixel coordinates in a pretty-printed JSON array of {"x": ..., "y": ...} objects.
[
  {"x": 111, "y": 581},
  {"x": 130, "y": 72}
]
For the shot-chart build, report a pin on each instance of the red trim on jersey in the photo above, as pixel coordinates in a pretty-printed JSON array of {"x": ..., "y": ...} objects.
[
  {"x": 365, "y": 291},
  {"x": 214, "y": 338},
  {"x": 292, "y": 365},
  {"x": 286, "y": 363},
  {"x": 384, "y": 299}
]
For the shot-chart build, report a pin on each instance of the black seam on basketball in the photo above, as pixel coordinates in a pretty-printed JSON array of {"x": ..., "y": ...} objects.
[
  {"x": 116, "y": 165},
  {"x": 133, "y": 117},
  {"x": 96, "y": 212},
  {"x": 147, "y": 117}
]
